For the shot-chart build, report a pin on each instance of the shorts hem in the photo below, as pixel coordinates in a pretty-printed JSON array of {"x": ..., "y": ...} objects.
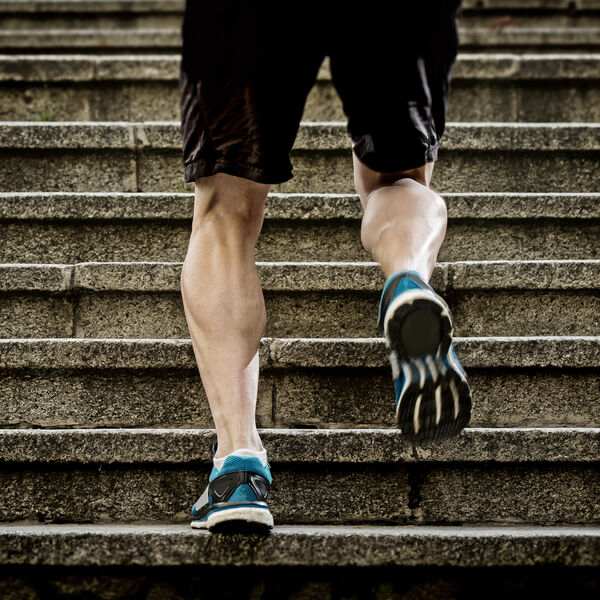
[
  {"x": 202, "y": 167},
  {"x": 395, "y": 164}
]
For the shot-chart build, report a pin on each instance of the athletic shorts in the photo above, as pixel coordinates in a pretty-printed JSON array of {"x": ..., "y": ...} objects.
[{"x": 248, "y": 65}]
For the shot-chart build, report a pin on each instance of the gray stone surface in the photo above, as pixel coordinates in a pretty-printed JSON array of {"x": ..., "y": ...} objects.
[
  {"x": 543, "y": 351},
  {"x": 107, "y": 68},
  {"x": 482, "y": 352},
  {"x": 550, "y": 38},
  {"x": 497, "y": 493},
  {"x": 359, "y": 398},
  {"x": 542, "y": 476},
  {"x": 35, "y": 315},
  {"x": 496, "y": 87},
  {"x": 68, "y": 170},
  {"x": 164, "y": 545},
  {"x": 286, "y": 239},
  {"x": 167, "y": 492},
  {"x": 160, "y": 6},
  {"x": 306, "y": 276},
  {"x": 476, "y": 157},
  {"x": 63, "y": 227},
  {"x": 161, "y": 397},
  {"x": 300, "y": 446},
  {"x": 143, "y": 300},
  {"x": 58, "y": 206},
  {"x": 311, "y": 136}
]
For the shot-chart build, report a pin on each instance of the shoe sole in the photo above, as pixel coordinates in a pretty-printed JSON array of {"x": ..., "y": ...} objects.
[
  {"x": 435, "y": 403},
  {"x": 237, "y": 520}
]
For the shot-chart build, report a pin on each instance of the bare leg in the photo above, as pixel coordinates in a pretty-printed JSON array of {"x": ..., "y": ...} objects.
[
  {"x": 224, "y": 303},
  {"x": 404, "y": 221}
]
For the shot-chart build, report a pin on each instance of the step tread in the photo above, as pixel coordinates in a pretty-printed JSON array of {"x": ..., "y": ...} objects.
[
  {"x": 152, "y": 39},
  {"x": 165, "y": 67},
  {"x": 57, "y": 206},
  {"x": 300, "y": 446},
  {"x": 304, "y": 276},
  {"x": 275, "y": 353},
  {"x": 300, "y": 545},
  {"x": 178, "y": 5},
  {"x": 319, "y": 136}
]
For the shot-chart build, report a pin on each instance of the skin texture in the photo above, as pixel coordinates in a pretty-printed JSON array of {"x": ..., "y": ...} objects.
[{"x": 403, "y": 227}]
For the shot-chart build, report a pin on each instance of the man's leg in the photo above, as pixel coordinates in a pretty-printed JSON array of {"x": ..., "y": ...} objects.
[
  {"x": 404, "y": 221},
  {"x": 403, "y": 227},
  {"x": 224, "y": 303}
]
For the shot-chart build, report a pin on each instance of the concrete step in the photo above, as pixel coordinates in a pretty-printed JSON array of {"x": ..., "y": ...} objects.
[
  {"x": 143, "y": 300},
  {"x": 494, "y": 87},
  {"x": 477, "y": 157},
  {"x": 545, "y": 476},
  {"x": 152, "y": 40},
  {"x": 71, "y": 227},
  {"x": 169, "y": 545},
  {"x": 102, "y": 26},
  {"x": 327, "y": 383}
]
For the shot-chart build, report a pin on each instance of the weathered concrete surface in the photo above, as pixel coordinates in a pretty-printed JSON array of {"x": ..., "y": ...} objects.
[
  {"x": 483, "y": 352},
  {"x": 106, "y": 68},
  {"x": 286, "y": 239},
  {"x": 63, "y": 227},
  {"x": 59, "y": 206},
  {"x": 300, "y": 446},
  {"x": 162, "y": 6},
  {"x": 544, "y": 351},
  {"x": 359, "y": 398},
  {"x": 494, "y": 87},
  {"x": 305, "y": 276},
  {"x": 476, "y": 157},
  {"x": 143, "y": 300},
  {"x": 533, "y": 397},
  {"x": 318, "y": 383},
  {"x": 118, "y": 471},
  {"x": 399, "y": 494},
  {"x": 163, "y": 545},
  {"x": 471, "y": 38}
]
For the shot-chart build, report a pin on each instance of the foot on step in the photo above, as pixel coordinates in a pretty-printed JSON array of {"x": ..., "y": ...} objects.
[
  {"x": 433, "y": 397},
  {"x": 235, "y": 499}
]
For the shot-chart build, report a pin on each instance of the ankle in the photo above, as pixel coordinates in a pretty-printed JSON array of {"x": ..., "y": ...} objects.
[{"x": 226, "y": 446}]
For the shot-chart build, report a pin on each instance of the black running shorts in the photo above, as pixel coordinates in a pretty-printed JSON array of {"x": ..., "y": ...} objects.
[{"x": 248, "y": 65}]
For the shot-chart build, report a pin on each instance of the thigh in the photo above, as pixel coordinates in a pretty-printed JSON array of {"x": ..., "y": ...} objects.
[
  {"x": 394, "y": 83},
  {"x": 245, "y": 76}
]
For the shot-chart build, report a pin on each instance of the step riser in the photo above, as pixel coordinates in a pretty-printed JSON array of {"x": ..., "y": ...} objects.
[
  {"x": 475, "y": 40},
  {"x": 484, "y": 239},
  {"x": 162, "y": 21},
  {"x": 295, "y": 314},
  {"x": 477, "y": 100},
  {"x": 503, "y": 397},
  {"x": 314, "y": 171},
  {"x": 173, "y": 20},
  {"x": 198, "y": 581},
  {"x": 330, "y": 494},
  {"x": 135, "y": 547}
]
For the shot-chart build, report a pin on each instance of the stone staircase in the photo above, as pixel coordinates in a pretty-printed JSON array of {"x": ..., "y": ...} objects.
[
  {"x": 105, "y": 429},
  {"x": 154, "y": 25}
]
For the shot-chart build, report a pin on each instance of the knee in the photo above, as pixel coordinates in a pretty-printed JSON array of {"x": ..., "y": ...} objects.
[{"x": 225, "y": 203}]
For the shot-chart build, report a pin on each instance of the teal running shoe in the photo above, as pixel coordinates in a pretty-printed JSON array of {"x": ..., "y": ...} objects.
[
  {"x": 235, "y": 499},
  {"x": 433, "y": 396}
]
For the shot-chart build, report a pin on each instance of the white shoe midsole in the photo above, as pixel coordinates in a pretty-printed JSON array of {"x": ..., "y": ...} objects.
[{"x": 249, "y": 514}]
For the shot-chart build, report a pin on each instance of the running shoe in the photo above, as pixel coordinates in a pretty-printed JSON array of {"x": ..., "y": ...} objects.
[
  {"x": 235, "y": 499},
  {"x": 433, "y": 397}
]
